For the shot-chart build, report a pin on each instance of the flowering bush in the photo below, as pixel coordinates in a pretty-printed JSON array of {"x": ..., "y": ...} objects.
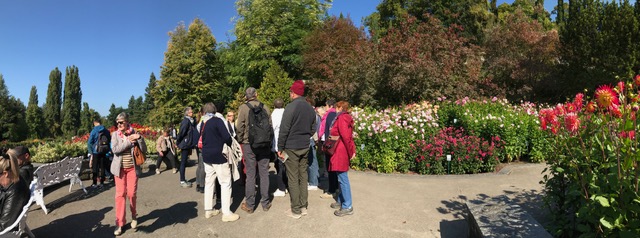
[
  {"x": 383, "y": 137},
  {"x": 55, "y": 151},
  {"x": 592, "y": 185},
  {"x": 396, "y": 139},
  {"x": 516, "y": 126},
  {"x": 469, "y": 154}
]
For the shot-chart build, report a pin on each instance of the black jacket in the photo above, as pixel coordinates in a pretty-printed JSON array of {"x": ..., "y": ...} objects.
[
  {"x": 214, "y": 136},
  {"x": 297, "y": 126},
  {"x": 185, "y": 126},
  {"x": 26, "y": 173},
  {"x": 12, "y": 199}
]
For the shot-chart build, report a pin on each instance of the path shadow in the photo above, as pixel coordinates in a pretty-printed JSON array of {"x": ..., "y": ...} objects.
[
  {"x": 178, "y": 213},
  {"x": 530, "y": 201},
  {"x": 76, "y": 194},
  {"x": 86, "y": 224}
]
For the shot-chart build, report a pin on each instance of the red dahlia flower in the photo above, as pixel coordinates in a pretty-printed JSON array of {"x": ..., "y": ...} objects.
[
  {"x": 606, "y": 97},
  {"x": 572, "y": 122}
]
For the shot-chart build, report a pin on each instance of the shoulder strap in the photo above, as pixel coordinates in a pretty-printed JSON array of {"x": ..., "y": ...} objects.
[{"x": 249, "y": 105}]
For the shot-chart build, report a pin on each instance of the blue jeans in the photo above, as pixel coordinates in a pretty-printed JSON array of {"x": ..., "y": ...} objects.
[
  {"x": 184, "y": 157},
  {"x": 313, "y": 172},
  {"x": 345, "y": 190}
]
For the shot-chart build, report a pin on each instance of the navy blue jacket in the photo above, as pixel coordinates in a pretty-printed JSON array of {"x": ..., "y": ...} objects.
[
  {"x": 93, "y": 138},
  {"x": 214, "y": 136}
]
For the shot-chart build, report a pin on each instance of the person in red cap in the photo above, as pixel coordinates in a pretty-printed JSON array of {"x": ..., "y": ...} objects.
[{"x": 297, "y": 126}]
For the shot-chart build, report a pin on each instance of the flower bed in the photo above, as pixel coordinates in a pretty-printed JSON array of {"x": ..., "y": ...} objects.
[
  {"x": 417, "y": 137},
  {"x": 592, "y": 186}
]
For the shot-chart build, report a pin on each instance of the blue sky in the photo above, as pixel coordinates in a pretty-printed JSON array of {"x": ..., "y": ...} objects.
[{"x": 115, "y": 44}]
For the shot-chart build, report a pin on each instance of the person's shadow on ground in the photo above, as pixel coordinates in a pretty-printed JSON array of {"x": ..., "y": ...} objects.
[
  {"x": 178, "y": 213},
  {"x": 78, "y": 225}
]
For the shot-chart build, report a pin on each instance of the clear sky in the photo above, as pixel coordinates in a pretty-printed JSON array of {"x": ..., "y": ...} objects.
[{"x": 115, "y": 44}]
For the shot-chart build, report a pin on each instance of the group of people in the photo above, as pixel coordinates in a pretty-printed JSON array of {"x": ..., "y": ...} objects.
[{"x": 291, "y": 134}]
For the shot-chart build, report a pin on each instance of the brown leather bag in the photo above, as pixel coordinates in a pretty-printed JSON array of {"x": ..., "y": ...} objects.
[{"x": 138, "y": 156}]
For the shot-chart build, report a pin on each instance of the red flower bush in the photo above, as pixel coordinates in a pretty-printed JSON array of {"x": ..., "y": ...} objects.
[{"x": 470, "y": 154}]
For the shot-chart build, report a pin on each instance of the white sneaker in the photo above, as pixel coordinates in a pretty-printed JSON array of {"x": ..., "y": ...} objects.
[
  {"x": 279, "y": 193},
  {"x": 312, "y": 188},
  {"x": 210, "y": 213},
  {"x": 157, "y": 171},
  {"x": 230, "y": 217}
]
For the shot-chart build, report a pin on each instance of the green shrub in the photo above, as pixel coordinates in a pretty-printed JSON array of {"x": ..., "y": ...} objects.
[{"x": 52, "y": 152}]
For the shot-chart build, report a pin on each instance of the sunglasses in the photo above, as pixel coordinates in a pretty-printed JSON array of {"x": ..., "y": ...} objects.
[{"x": 120, "y": 122}]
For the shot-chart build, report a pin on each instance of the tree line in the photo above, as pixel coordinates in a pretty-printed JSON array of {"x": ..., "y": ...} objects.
[{"x": 407, "y": 51}]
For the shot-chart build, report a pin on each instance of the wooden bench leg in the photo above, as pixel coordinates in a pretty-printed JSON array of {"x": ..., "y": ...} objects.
[{"x": 38, "y": 193}]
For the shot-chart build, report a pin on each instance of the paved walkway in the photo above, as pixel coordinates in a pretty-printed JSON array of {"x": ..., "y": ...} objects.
[{"x": 384, "y": 205}]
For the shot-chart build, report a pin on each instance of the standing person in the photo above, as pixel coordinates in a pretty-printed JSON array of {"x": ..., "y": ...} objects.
[
  {"x": 297, "y": 126},
  {"x": 124, "y": 170},
  {"x": 99, "y": 144},
  {"x": 166, "y": 151},
  {"x": 230, "y": 123},
  {"x": 323, "y": 133},
  {"x": 185, "y": 143},
  {"x": 281, "y": 178},
  {"x": 200, "y": 174},
  {"x": 214, "y": 136},
  {"x": 24, "y": 161},
  {"x": 314, "y": 169},
  {"x": 255, "y": 135},
  {"x": 14, "y": 192},
  {"x": 342, "y": 131}
]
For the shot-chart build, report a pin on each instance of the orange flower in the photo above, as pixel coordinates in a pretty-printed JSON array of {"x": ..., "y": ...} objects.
[
  {"x": 606, "y": 97},
  {"x": 636, "y": 80},
  {"x": 591, "y": 107}
]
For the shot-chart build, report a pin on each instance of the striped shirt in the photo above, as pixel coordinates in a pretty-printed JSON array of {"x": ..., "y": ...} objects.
[{"x": 127, "y": 159}]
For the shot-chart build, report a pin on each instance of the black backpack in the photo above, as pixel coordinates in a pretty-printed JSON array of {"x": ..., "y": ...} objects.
[
  {"x": 104, "y": 141},
  {"x": 260, "y": 130}
]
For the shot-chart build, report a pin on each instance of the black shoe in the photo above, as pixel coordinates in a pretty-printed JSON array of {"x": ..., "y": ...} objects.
[
  {"x": 199, "y": 189},
  {"x": 267, "y": 207}
]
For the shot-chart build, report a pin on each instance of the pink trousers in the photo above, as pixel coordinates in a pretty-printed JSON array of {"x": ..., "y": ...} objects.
[{"x": 126, "y": 186}]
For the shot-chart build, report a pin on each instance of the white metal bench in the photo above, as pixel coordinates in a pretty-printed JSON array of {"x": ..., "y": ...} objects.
[
  {"x": 54, "y": 173},
  {"x": 21, "y": 222}
]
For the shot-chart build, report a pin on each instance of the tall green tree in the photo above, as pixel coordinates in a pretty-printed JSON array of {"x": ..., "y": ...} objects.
[
  {"x": 53, "y": 104},
  {"x": 275, "y": 85},
  {"x": 113, "y": 113},
  {"x": 87, "y": 119},
  {"x": 272, "y": 30},
  {"x": 72, "y": 102},
  {"x": 191, "y": 74},
  {"x": 13, "y": 126},
  {"x": 35, "y": 121},
  {"x": 472, "y": 15},
  {"x": 148, "y": 104},
  {"x": 599, "y": 44}
]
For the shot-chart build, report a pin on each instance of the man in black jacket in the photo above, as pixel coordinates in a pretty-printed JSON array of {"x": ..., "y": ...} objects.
[
  {"x": 297, "y": 126},
  {"x": 185, "y": 143}
]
